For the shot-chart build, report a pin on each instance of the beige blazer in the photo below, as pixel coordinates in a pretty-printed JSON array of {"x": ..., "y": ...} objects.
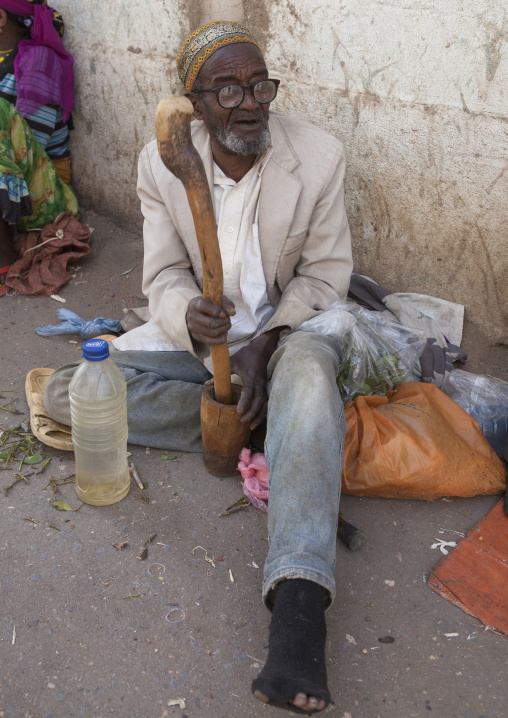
[{"x": 303, "y": 230}]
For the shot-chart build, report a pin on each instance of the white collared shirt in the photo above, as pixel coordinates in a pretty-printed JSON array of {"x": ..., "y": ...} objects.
[{"x": 236, "y": 207}]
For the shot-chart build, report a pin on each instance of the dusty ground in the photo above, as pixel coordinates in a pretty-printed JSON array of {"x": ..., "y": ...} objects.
[{"x": 82, "y": 648}]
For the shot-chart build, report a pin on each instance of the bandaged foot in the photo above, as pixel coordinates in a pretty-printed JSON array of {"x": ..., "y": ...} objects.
[{"x": 294, "y": 676}]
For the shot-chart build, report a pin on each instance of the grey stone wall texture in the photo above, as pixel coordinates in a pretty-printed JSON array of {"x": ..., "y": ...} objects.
[{"x": 416, "y": 90}]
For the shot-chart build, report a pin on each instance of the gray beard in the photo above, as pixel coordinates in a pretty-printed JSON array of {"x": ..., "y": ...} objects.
[{"x": 230, "y": 143}]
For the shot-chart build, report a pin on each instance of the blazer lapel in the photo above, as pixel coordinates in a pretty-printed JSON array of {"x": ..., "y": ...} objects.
[{"x": 279, "y": 194}]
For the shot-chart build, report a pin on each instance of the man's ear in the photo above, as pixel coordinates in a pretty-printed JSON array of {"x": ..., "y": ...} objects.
[
  {"x": 3, "y": 18},
  {"x": 196, "y": 103}
]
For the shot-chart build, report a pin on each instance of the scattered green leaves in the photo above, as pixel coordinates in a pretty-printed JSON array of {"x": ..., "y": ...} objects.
[
  {"x": 20, "y": 445},
  {"x": 239, "y": 505},
  {"x": 127, "y": 271},
  {"x": 44, "y": 465},
  {"x": 132, "y": 595},
  {"x": 61, "y": 505},
  {"x": 11, "y": 409},
  {"x": 19, "y": 477},
  {"x": 56, "y": 483},
  {"x": 34, "y": 459},
  {"x": 169, "y": 457}
]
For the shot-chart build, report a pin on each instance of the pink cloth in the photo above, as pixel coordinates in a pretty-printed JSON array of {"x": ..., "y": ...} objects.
[
  {"x": 43, "y": 67},
  {"x": 254, "y": 472}
]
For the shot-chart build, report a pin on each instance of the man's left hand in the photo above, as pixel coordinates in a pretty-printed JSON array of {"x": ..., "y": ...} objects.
[{"x": 250, "y": 363}]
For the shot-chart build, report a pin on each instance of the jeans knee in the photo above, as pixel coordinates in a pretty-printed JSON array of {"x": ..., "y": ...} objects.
[{"x": 309, "y": 354}]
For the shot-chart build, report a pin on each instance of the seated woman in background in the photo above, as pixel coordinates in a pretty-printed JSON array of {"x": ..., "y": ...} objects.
[{"x": 36, "y": 100}]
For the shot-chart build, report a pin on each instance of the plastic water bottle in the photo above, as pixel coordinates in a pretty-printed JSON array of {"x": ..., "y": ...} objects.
[{"x": 99, "y": 427}]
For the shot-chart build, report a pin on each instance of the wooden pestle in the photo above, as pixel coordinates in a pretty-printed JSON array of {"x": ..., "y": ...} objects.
[{"x": 172, "y": 126}]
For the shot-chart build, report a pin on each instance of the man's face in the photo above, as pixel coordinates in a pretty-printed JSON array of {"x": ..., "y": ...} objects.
[{"x": 242, "y": 130}]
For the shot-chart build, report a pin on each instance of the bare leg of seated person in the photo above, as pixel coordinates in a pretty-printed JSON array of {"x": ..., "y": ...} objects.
[{"x": 304, "y": 444}]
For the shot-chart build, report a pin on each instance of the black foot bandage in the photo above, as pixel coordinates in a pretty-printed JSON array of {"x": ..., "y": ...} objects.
[{"x": 296, "y": 658}]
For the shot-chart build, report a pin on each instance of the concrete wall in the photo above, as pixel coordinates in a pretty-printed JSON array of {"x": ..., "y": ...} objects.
[{"x": 416, "y": 89}]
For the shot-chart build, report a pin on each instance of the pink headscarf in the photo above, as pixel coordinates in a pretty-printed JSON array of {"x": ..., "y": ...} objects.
[{"x": 43, "y": 67}]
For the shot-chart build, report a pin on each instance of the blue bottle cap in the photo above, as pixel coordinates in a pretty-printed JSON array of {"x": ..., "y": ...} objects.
[{"x": 95, "y": 350}]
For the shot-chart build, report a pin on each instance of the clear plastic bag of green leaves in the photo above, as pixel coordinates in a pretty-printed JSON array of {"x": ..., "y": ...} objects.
[{"x": 375, "y": 353}]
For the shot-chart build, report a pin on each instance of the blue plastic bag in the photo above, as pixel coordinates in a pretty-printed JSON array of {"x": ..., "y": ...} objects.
[
  {"x": 485, "y": 398},
  {"x": 71, "y": 323}
]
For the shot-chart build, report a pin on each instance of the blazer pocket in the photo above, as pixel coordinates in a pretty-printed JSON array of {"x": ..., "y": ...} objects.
[
  {"x": 294, "y": 243},
  {"x": 289, "y": 259}
]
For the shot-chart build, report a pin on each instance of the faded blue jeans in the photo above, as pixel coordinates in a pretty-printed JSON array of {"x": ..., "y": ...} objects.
[{"x": 303, "y": 447}]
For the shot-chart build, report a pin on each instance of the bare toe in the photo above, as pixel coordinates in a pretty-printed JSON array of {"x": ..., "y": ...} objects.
[
  {"x": 300, "y": 700},
  {"x": 261, "y": 696},
  {"x": 308, "y": 703},
  {"x": 316, "y": 704}
]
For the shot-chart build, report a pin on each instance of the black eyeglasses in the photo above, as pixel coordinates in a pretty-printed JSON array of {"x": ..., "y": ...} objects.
[{"x": 230, "y": 96}]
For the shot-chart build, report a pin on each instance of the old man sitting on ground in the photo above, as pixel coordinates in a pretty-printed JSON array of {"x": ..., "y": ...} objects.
[{"x": 277, "y": 186}]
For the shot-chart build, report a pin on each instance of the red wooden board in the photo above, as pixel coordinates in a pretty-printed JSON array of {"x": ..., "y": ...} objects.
[{"x": 474, "y": 576}]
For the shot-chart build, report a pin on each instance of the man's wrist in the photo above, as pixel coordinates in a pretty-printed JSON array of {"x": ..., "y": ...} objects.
[{"x": 267, "y": 342}]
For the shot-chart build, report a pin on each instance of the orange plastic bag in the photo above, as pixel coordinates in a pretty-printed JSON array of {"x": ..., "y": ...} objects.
[{"x": 416, "y": 443}]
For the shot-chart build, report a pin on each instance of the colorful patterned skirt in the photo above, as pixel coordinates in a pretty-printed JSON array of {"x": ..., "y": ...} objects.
[{"x": 31, "y": 193}]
